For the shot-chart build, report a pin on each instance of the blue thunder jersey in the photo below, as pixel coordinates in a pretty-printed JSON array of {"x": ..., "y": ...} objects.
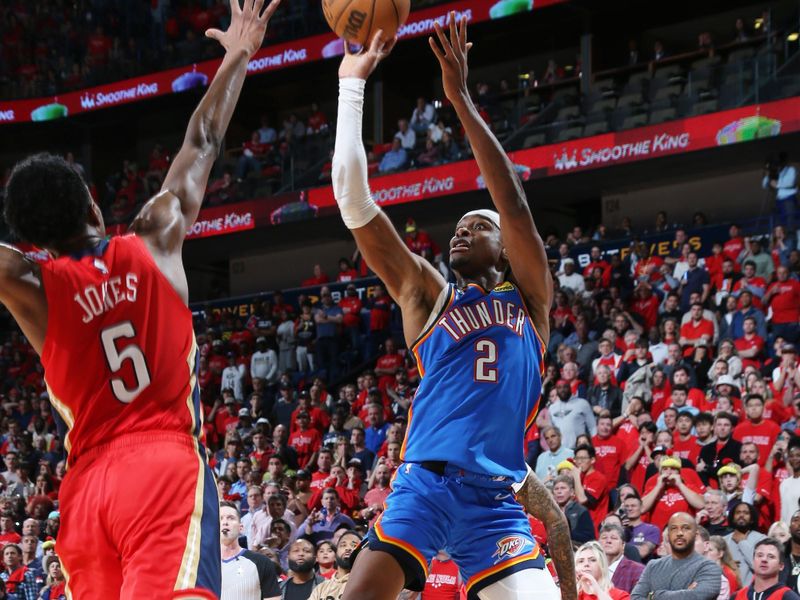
[{"x": 481, "y": 362}]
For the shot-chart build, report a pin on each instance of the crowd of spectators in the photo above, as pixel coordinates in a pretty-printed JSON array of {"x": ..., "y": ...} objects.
[
  {"x": 671, "y": 387},
  {"x": 49, "y": 48}
]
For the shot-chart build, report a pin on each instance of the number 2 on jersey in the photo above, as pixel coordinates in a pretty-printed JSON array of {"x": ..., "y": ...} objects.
[
  {"x": 486, "y": 363},
  {"x": 115, "y": 360}
]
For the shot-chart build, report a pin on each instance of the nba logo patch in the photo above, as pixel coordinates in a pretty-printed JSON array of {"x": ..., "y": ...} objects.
[{"x": 509, "y": 547}]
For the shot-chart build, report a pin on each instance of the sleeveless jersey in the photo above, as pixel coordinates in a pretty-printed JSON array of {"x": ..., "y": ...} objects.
[
  {"x": 481, "y": 361},
  {"x": 120, "y": 352}
]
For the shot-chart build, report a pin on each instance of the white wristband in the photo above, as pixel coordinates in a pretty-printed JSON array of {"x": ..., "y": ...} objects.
[{"x": 349, "y": 173}]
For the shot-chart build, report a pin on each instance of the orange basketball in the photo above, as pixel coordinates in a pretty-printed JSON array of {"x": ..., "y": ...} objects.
[{"x": 358, "y": 20}]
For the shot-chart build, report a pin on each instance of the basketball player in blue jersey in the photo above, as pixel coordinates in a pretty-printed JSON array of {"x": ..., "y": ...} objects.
[{"x": 479, "y": 346}]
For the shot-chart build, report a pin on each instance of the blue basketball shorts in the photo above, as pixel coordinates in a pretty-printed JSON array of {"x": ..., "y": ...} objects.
[{"x": 474, "y": 518}]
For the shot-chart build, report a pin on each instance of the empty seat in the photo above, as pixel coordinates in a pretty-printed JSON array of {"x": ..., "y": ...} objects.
[
  {"x": 634, "y": 121},
  {"x": 568, "y": 113},
  {"x": 570, "y": 133},
  {"x": 536, "y": 139},
  {"x": 668, "y": 72},
  {"x": 742, "y": 54},
  {"x": 666, "y": 114},
  {"x": 595, "y": 128},
  {"x": 566, "y": 95},
  {"x": 706, "y": 63},
  {"x": 666, "y": 93},
  {"x": 704, "y": 108},
  {"x": 630, "y": 100}
]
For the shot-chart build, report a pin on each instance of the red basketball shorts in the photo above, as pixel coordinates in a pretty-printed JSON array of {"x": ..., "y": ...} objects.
[{"x": 140, "y": 519}]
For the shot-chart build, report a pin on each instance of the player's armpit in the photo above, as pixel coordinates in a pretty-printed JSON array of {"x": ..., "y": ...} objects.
[
  {"x": 539, "y": 502},
  {"x": 22, "y": 293}
]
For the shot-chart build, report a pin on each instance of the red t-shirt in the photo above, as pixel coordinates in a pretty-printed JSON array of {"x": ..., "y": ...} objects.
[
  {"x": 391, "y": 362},
  {"x": 318, "y": 479},
  {"x": 351, "y": 307},
  {"x": 688, "y": 449},
  {"x": 745, "y": 343},
  {"x": 628, "y": 433},
  {"x": 305, "y": 443},
  {"x": 639, "y": 471},
  {"x": 319, "y": 419},
  {"x": 613, "y": 592},
  {"x": 596, "y": 485},
  {"x": 692, "y": 331},
  {"x": 671, "y": 499},
  {"x": 649, "y": 269},
  {"x": 648, "y": 310},
  {"x": 777, "y": 411},
  {"x": 762, "y": 435},
  {"x": 786, "y": 303},
  {"x": 610, "y": 457},
  {"x": 732, "y": 248},
  {"x": 348, "y": 275},
  {"x": 444, "y": 581},
  {"x": 11, "y": 537}
]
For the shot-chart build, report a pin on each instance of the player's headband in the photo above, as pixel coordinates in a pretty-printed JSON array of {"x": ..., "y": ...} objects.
[{"x": 491, "y": 215}]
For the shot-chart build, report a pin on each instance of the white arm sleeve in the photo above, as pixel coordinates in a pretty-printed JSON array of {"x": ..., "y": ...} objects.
[{"x": 350, "y": 185}]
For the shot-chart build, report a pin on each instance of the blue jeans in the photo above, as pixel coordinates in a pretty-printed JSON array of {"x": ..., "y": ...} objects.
[{"x": 784, "y": 211}]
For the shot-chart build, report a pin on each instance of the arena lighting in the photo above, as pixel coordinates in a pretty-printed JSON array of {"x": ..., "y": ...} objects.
[
  {"x": 793, "y": 37},
  {"x": 758, "y": 23},
  {"x": 437, "y": 104},
  {"x": 524, "y": 76}
]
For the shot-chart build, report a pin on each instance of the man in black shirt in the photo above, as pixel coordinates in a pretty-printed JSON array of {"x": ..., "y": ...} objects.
[
  {"x": 791, "y": 558},
  {"x": 303, "y": 580}
]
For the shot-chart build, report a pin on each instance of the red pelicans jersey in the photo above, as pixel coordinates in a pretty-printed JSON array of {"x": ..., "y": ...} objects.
[{"x": 119, "y": 353}]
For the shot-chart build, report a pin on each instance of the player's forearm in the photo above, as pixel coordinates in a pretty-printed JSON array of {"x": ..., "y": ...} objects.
[
  {"x": 498, "y": 171},
  {"x": 212, "y": 116},
  {"x": 539, "y": 502},
  {"x": 349, "y": 174}
]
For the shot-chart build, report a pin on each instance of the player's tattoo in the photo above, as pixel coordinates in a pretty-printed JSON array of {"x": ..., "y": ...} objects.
[{"x": 539, "y": 502}]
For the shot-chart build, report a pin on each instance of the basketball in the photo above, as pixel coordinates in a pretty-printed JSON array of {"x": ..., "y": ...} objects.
[{"x": 358, "y": 20}]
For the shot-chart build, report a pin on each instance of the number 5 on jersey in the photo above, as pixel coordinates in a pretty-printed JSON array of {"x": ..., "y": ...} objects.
[
  {"x": 116, "y": 358},
  {"x": 486, "y": 362}
]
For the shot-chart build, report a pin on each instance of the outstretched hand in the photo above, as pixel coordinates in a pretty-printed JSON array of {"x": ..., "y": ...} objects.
[
  {"x": 362, "y": 64},
  {"x": 452, "y": 55},
  {"x": 248, "y": 26}
]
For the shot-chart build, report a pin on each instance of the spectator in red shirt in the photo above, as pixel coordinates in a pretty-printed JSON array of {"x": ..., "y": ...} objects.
[
  {"x": 591, "y": 486},
  {"x": 735, "y": 243},
  {"x": 319, "y": 278},
  {"x": 419, "y": 242},
  {"x": 783, "y": 297},
  {"x": 351, "y": 306},
  {"x": 762, "y": 432},
  {"x": 645, "y": 305},
  {"x": 697, "y": 331},
  {"x": 595, "y": 261},
  {"x": 254, "y": 154},
  {"x": 8, "y": 534},
  {"x": 648, "y": 268},
  {"x": 320, "y": 479},
  {"x": 305, "y": 440},
  {"x": 684, "y": 444},
  {"x": 609, "y": 450},
  {"x": 387, "y": 365},
  {"x": 346, "y": 271},
  {"x": 757, "y": 286},
  {"x": 750, "y": 346},
  {"x": 672, "y": 490},
  {"x": 317, "y": 121},
  {"x": 379, "y": 318}
]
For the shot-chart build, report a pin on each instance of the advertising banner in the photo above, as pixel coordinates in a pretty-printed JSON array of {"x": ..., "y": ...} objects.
[
  {"x": 271, "y": 58},
  {"x": 675, "y": 137},
  {"x": 244, "y": 306}
]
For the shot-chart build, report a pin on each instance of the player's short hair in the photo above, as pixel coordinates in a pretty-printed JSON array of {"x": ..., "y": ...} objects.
[
  {"x": 47, "y": 202},
  {"x": 229, "y": 504}
]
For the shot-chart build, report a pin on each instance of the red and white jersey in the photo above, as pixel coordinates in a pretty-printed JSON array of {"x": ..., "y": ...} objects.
[{"x": 120, "y": 353}]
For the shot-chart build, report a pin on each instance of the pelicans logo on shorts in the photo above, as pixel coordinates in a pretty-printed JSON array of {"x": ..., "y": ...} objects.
[{"x": 509, "y": 547}]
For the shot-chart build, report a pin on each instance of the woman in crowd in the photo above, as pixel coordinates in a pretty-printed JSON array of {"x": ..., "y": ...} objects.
[
  {"x": 594, "y": 581},
  {"x": 56, "y": 583},
  {"x": 717, "y": 551}
]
